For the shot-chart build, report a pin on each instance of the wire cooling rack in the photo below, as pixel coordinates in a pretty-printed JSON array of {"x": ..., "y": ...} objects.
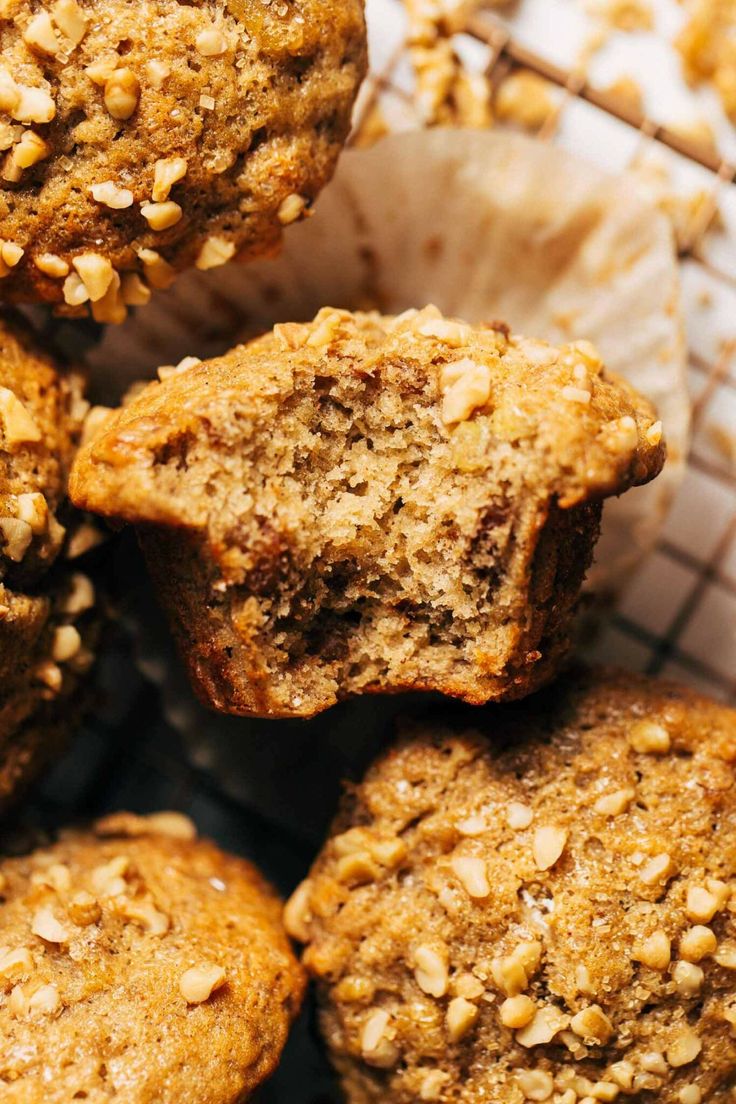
[{"x": 678, "y": 616}]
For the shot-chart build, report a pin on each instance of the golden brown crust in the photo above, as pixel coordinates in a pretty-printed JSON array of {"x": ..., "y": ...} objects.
[
  {"x": 364, "y": 504},
  {"x": 149, "y": 967},
  {"x": 245, "y": 105},
  {"x": 45, "y": 609},
  {"x": 540, "y": 905}
]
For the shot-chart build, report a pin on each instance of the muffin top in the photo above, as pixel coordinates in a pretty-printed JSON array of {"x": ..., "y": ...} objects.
[
  {"x": 142, "y": 137},
  {"x": 139, "y": 964},
  {"x": 485, "y": 388},
  {"x": 536, "y": 902}
]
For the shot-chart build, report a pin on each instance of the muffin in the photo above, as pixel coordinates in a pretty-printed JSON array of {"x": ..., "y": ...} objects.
[
  {"x": 539, "y": 907},
  {"x": 366, "y": 504},
  {"x": 46, "y": 623},
  {"x": 144, "y": 137},
  {"x": 140, "y": 965}
]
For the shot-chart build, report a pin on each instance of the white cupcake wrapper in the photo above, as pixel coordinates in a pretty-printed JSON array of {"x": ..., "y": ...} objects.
[{"x": 486, "y": 225}]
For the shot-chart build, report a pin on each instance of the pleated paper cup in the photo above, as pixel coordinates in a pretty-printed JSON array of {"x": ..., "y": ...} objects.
[{"x": 487, "y": 226}]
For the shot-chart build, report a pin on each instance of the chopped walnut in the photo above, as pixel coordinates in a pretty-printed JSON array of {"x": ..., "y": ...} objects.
[
  {"x": 216, "y": 251},
  {"x": 614, "y": 804},
  {"x": 685, "y": 1049},
  {"x": 157, "y": 73},
  {"x": 517, "y": 1011},
  {"x": 513, "y": 972},
  {"x": 17, "y": 536},
  {"x": 687, "y": 978},
  {"x": 45, "y": 1000},
  {"x": 66, "y": 643},
  {"x": 376, "y": 1046},
  {"x": 122, "y": 93},
  {"x": 16, "y": 963},
  {"x": 27, "y": 152},
  {"x": 110, "y": 195},
  {"x": 649, "y": 738},
  {"x": 40, "y": 36},
  {"x": 51, "y": 265},
  {"x": 433, "y": 1084},
  {"x": 430, "y": 969},
  {"x": 518, "y": 816},
  {"x": 33, "y": 508},
  {"x": 654, "y": 434},
  {"x": 461, "y": 1017},
  {"x": 167, "y": 172},
  {"x": 549, "y": 843},
  {"x": 134, "y": 291},
  {"x": 654, "y": 951},
  {"x": 95, "y": 272},
  {"x": 702, "y": 904},
  {"x": 697, "y": 942},
  {"x": 297, "y": 912},
  {"x": 593, "y": 1025},
  {"x": 210, "y": 42},
  {"x": 46, "y": 926},
  {"x": 144, "y": 914},
  {"x": 292, "y": 208},
  {"x": 547, "y": 1022},
  {"x": 535, "y": 1084},
  {"x": 19, "y": 427},
  {"x": 657, "y": 870},
  {"x": 198, "y": 983},
  {"x": 472, "y": 874},
  {"x": 70, "y": 19},
  {"x": 84, "y": 909},
  {"x": 100, "y": 71},
  {"x": 159, "y": 272},
  {"x": 454, "y": 334},
  {"x": 472, "y": 826},
  {"x": 466, "y": 387},
  {"x": 35, "y": 105},
  {"x": 108, "y": 880},
  {"x": 161, "y": 216}
]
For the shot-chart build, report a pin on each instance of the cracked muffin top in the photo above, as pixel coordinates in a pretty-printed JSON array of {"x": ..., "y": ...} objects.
[
  {"x": 138, "y": 138},
  {"x": 138, "y": 964},
  {"x": 536, "y": 902}
]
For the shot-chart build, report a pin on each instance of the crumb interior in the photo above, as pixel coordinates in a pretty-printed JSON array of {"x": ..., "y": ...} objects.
[{"x": 358, "y": 543}]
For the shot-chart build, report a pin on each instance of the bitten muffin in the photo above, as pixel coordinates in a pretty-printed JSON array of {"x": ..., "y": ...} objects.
[
  {"x": 367, "y": 504},
  {"x": 140, "y": 965},
  {"x": 539, "y": 908},
  {"x": 142, "y": 137},
  {"x": 46, "y": 624}
]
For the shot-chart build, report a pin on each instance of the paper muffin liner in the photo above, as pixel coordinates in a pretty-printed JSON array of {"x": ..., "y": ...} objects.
[{"x": 487, "y": 226}]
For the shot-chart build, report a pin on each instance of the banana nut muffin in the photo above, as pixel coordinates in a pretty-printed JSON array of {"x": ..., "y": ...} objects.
[
  {"x": 140, "y": 965},
  {"x": 540, "y": 908},
  {"x": 45, "y": 618},
  {"x": 366, "y": 504},
  {"x": 142, "y": 137}
]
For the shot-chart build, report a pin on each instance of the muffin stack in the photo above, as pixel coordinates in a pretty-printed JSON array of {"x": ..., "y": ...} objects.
[{"x": 523, "y": 900}]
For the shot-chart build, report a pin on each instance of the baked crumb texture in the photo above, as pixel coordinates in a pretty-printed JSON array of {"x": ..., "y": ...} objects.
[
  {"x": 367, "y": 504},
  {"x": 138, "y": 964},
  {"x": 541, "y": 909},
  {"x": 140, "y": 138},
  {"x": 46, "y": 620}
]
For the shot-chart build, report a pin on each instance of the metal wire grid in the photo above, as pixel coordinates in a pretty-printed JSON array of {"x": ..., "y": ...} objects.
[{"x": 678, "y": 617}]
